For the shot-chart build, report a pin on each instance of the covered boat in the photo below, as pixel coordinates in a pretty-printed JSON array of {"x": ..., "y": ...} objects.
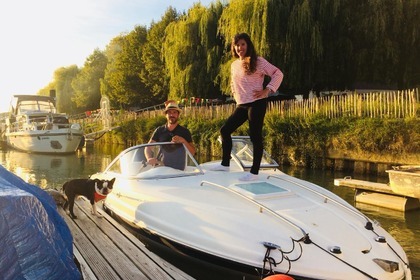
[
  {"x": 36, "y": 242},
  {"x": 33, "y": 125},
  {"x": 277, "y": 224}
]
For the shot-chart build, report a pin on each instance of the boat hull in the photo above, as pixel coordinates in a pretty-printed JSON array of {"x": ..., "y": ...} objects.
[
  {"x": 34, "y": 126},
  {"x": 277, "y": 223},
  {"x": 190, "y": 259},
  {"x": 405, "y": 181},
  {"x": 62, "y": 141},
  {"x": 236, "y": 242}
]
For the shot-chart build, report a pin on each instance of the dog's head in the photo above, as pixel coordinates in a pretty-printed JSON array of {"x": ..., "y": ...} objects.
[{"x": 104, "y": 187}]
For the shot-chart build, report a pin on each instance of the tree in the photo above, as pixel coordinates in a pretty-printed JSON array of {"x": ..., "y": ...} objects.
[
  {"x": 153, "y": 75},
  {"x": 319, "y": 45},
  {"x": 64, "y": 91},
  {"x": 190, "y": 52},
  {"x": 86, "y": 84},
  {"x": 236, "y": 18},
  {"x": 122, "y": 83}
]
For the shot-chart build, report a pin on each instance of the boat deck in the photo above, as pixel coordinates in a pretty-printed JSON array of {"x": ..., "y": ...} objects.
[{"x": 106, "y": 250}]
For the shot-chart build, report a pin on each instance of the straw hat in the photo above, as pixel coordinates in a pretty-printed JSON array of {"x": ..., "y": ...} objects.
[{"x": 172, "y": 105}]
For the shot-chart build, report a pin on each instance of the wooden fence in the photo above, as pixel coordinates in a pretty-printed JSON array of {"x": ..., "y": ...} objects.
[{"x": 384, "y": 104}]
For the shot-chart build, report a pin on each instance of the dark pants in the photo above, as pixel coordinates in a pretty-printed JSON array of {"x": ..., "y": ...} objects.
[{"x": 253, "y": 112}]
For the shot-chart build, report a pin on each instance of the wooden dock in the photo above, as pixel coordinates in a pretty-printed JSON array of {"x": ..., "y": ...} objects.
[
  {"x": 378, "y": 194},
  {"x": 106, "y": 250}
]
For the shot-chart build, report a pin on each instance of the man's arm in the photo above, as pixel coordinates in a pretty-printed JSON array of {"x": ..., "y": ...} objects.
[
  {"x": 190, "y": 146},
  {"x": 148, "y": 152},
  {"x": 150, "y": 157}
]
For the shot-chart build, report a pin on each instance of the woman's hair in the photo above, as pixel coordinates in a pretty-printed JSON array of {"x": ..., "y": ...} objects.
[{"x": 250, "y": 62}]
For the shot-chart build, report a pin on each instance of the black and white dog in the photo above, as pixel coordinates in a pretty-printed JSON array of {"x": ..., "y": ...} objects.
[{"x": 92, "y": 189}]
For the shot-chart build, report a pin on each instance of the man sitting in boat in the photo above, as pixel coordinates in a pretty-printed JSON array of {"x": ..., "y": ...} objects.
[{"x": 172, "y": 131}]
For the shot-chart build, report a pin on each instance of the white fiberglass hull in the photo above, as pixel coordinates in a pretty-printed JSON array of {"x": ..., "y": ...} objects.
[
  {"x": 45, "y": 141},
  {"x": 216, "y": 222},
  {"x": 276, "y": 224}
]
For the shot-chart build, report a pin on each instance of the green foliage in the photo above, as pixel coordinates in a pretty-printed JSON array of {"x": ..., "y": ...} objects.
[
  {"x": 298, "y": 141},
  {"x": 190, "y": 51},
  {"x": 86, "y": 84},
  {"x": 319, "y": 45},
  {"x": 64, "y": 91},
  {"x": 380, "y": 136},
  {"x": 122, "y": 83},
  {"x": 154, "y": 76}
]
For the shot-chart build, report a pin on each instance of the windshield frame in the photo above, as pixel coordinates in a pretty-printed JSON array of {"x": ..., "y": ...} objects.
[{"x": 129, "y": 159}]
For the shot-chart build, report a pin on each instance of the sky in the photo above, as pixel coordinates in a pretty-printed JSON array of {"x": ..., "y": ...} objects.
[{"x": 40, "y": 36}]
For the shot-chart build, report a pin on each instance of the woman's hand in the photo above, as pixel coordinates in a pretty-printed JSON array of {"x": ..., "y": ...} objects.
[{"x": 261, "y": 93}]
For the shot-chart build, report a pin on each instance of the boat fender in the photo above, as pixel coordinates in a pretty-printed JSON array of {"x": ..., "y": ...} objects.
[{"x": 278, "y": 277}]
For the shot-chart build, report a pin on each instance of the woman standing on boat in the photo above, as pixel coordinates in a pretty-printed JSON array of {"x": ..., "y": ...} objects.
[{"x": 247, "y": 78}]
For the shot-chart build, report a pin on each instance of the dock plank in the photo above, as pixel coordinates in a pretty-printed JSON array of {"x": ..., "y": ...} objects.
[
  {"x": 109, "y": 251},
  {"x": 113, "y": 258},
  {"x": 378, "y": 194},
  {"x": 96, "y": 261},
  {"x": 364, "y": 185},
  {"x": 84, "y": 267}
]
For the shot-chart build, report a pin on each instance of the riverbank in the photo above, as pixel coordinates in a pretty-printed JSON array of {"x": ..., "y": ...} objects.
[{"x": 360, "y": 145}]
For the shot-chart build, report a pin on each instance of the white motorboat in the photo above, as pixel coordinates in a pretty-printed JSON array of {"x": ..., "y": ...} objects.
[
  {"x": 34, "y": 126},
  {"x": 277, "y": 224}
]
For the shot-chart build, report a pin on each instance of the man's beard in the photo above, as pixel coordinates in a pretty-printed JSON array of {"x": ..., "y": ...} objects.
[{"x": 173, "y": 120}]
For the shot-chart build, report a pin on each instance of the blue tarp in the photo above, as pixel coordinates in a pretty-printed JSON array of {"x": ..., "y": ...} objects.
[{"x": 36, "y": 243}]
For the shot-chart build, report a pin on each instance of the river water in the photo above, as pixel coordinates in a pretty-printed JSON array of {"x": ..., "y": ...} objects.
[{"x": 51, "y": 171}]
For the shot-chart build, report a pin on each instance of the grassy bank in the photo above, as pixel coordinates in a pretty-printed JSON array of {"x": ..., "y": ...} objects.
[{"x": 300, "y": 141}]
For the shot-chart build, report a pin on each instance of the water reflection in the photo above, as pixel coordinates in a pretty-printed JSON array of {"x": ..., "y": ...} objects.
[{"x": 51, "y": 171}]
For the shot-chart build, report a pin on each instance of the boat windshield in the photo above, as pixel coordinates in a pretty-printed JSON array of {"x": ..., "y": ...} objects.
[
  {"x": 174, "y": 160},
  {"x": 35, "y": 106},
  {"x": 242, "y": 153}
]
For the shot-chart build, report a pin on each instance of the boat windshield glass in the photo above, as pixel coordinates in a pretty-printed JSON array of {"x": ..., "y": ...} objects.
[
  {"x": 36, "y": 106},
  {"x": 174, "y": 160},
  {"x": 242, "y": 153}
]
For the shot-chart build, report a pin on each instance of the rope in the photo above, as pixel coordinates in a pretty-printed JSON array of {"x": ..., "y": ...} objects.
[{"x": 352, "y": 266}]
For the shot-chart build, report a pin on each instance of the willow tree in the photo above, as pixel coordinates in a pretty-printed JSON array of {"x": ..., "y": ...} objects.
[
  {"x": 264, "y": 21},
  {"x": 122, "y": 83},
  {"x": 185, "y": 51},
  {"x": 214, "y": 48},
  {"x": 335, "y": 69},
  {"x": 64, "y": 91},
  {"x": 407, "y": 71},
  {"x": 236, "y": 18},
  {"x": 86, "y": 84},
  {"x": 153, "y": 75},
  {"x": 374, "y": 48},
  {"x": 303, "y": 45}
]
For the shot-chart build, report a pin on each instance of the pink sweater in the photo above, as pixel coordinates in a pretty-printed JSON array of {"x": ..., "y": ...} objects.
[{"x": 244, "y": 85}]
